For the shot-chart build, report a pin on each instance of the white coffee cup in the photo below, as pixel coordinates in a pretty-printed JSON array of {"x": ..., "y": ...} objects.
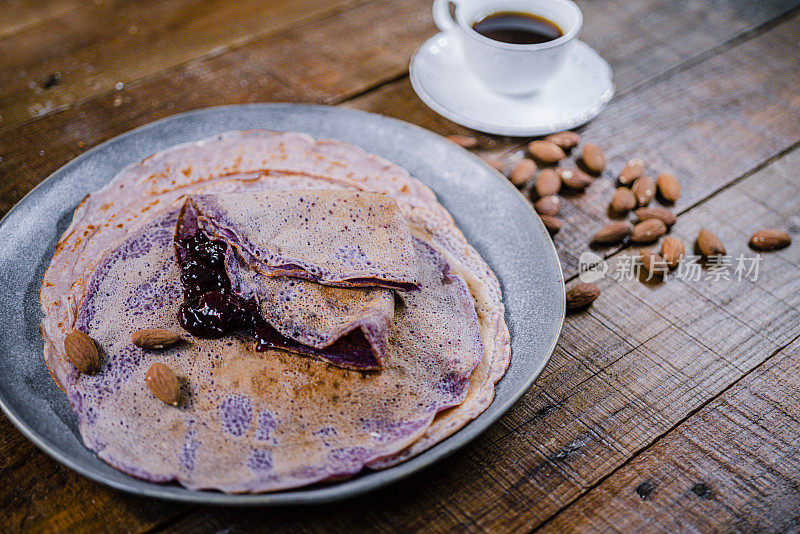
[{"x": 512, "y": 69}]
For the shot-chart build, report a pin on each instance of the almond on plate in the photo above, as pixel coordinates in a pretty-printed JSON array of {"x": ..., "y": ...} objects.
[
  {"x": 82, "y": 351},
  {"x": 163, "y": 383},
  {"x": 463, "y": 140},
  {"x": 155, "y": 338}
]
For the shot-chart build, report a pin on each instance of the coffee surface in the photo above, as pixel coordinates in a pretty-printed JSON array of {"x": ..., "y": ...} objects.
[{"x": 516, "y": 27}]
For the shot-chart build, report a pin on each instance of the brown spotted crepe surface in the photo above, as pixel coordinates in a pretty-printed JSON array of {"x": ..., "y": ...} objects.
[{"x": 249, "y": 162}]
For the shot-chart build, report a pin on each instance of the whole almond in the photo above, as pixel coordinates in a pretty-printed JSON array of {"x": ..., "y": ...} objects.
[
  {"x": 547, "y": 205},
  {"x": 163, "y": 383},
  {"x": 673, "y": 251},
  {"x": 565, "y": 140},
  {"x": 581, "y": 295},
  {"x": 553, "y": 224},
  {"x": 631, "y": 171},
  {"x": 613, "y": 233},
  {"x": 648, "y": 231},
  {"x": 573, "y": 178},
  {"x": 547, "y": 183},
  {"x": 522, "y": 172},
  {"x": 770, "y": 239},
  {"x": 709, "y": 244},
  {"x": 623, "y": 201},
  {"x": 653, "y": 263},
  {"x": 644, "y": 190},
  {"x": 656, "y": 212},
  {"x": 593, "y": 158},
  {"x": 668, "y": 187},
  {"x": 546, "y": 152},
  {"x": 155, "y": 338},
  {"x": 82, "y": 351},
  {"x": 463, "y": 140}
]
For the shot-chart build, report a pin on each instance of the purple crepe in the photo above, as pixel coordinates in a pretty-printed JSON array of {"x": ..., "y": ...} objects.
[{"x": 259, "y": 421}]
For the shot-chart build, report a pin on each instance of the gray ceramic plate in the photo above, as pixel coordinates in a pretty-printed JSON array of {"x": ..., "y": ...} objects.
[{"x": 496, "y": 219}]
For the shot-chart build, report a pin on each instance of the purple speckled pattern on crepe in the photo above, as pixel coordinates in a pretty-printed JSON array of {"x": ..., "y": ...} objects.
[
  {"x": 334, "y": 237},
  {"x": 261, "y": 421},
  {"x": 348, "y": 327},
  {"x": 236, "y": 162}
]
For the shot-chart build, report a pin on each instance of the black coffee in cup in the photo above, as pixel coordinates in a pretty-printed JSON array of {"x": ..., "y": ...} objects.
[{"x": 517, "y": 27}]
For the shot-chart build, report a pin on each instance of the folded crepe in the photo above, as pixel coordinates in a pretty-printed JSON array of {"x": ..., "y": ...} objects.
[
  {"x": 334, "y": 237},
  {"x": 252, "y": 421},
  {"x": 247, "y": 262}
]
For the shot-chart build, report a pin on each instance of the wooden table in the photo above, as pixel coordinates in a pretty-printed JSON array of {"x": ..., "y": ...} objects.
[{"x": 665, "y": 407}]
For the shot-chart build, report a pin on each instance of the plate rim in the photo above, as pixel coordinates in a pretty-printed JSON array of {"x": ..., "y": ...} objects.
[{"x": 315, "y": 494}]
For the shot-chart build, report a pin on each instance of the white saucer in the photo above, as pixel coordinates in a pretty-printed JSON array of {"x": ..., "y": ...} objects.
[{"x": 575, "y": 95}]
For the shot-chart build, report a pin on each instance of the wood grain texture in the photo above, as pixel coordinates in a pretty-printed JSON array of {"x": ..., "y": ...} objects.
[
  {"x": 341, "y": 56},
  {"x": 708, "y": 124},
  {"x": 98, "y": 45},
  {"x": 711, "y": 96}
]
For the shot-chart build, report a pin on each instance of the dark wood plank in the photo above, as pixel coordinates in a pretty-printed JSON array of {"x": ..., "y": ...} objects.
[
  {"x": 709, "y": 124},
  {"x": 731, "y": 467},
  {"x": 605, "y": 398},
  {"x": 20, "y": 15},
  {"x": 101, "y": 44}
]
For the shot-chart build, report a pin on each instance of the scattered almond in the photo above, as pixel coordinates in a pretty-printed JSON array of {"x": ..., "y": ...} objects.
[
  {"x": 644, "y": 190},
  {"x": 673, "y": 251},
  {"x": 770, "y": 239},
  {"x": 668, "y": 187},
  {"x": 709, "y": 244},
  {"x": 522, "y": 172},
  {"x": 581, "y": 295},
  {"x": 163, "y": 383},
  {"x": 565, "y": 140},
  {"x": 653, "y": 263},
  {"x": 463, "y": 140},
  {"x": 547, "y": 205},
  {"x": 593, "y": 158},
  {"x": 631, "y": 171},
  {"x": 613, "y": 233},
  {"x": 155, "y": 338},
  {"x": 547, "y": 183},
  {"x": 656, "y": 212},
  {"x": 623, "y": 201},
  {"x": 553, "y": 224},
  {"x": 573, "y": 178},
  {"x": 648, "y": 231},
  {"x": 82, "y": 351},
  {"x": 546, "y": 152}
]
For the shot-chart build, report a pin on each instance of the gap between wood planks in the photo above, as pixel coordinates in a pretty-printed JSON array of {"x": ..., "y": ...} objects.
[{"x": 667, "y": 74}]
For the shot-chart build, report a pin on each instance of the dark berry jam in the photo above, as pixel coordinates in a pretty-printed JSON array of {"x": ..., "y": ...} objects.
[{"x": 211, "y": 309}]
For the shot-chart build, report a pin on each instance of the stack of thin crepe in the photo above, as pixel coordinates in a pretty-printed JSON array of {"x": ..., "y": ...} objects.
[{"x": 387, "y": 265}]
